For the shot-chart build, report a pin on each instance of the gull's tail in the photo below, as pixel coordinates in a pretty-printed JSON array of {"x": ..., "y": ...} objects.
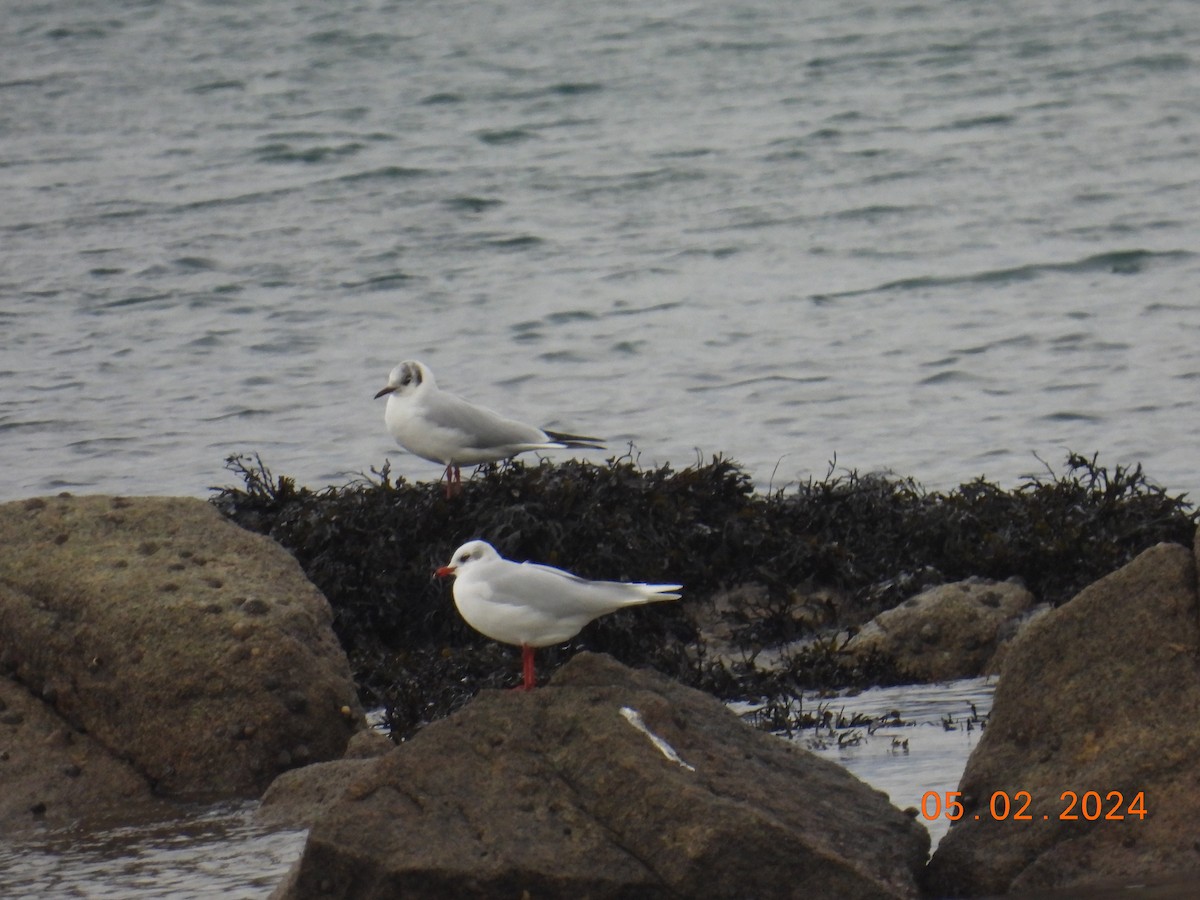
[
  {"x": 650, "y": 593},
  {"x": 575, "y": 441}
]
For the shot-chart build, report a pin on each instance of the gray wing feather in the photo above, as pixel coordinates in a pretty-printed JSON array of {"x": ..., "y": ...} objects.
[{"x": 482, "y": 427}]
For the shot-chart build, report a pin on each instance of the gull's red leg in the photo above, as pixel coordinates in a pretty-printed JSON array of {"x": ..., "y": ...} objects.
[{"x": 527, "y": 668}]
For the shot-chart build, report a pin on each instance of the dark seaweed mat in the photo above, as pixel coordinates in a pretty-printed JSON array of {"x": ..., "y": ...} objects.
[{"x": 371, "y": 547}]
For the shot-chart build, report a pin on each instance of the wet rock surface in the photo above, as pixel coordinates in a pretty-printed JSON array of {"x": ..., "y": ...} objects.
[
  {"x": 195, "y": 652},
  {"x": 609, "y": 782},
  {"x": 1101, "y": 695}
]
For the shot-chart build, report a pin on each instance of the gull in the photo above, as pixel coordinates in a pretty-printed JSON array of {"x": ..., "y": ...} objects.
[
  {"x": 444, "y": 428},
  {"x": 532, "y": 605}
]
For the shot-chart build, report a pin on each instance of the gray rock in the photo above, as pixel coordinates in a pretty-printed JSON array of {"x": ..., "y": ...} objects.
[
  {"x": 1101, "y": 694},
  {"x": 950, "y": 631},
  {"x": 193, "y": 650},
  {"x": 606, "y": 783}
]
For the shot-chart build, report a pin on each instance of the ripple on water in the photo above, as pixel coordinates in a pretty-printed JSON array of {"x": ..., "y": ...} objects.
[{"x": 213, "y": 851}]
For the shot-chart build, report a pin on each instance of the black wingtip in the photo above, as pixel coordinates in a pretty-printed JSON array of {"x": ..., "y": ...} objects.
[{"x": 576, "y": 441}]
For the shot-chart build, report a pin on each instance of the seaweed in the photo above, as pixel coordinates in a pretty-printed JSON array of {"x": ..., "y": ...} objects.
[{"x": 823, "y": 557}]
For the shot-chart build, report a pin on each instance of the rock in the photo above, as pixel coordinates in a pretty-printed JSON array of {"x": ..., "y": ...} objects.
[
  {"x": 606, "y": 783},
  {"x": 296, "y": 799},
  {"x": 50, "y": 773},
  {"x": 1100, "y": 695},
  {"x": 947, "y": 632},
  {"x": 194, "y": 650}
]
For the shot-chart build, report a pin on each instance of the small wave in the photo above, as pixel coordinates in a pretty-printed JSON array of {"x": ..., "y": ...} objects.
[
  {"x": 658, "y": 307},
  {"x": 1158, "y": 62},
  {"x": 762, "y": 379},
  {"x": 102, "y": 443},
  {"x": 382, "y": 282},
  {"x": 370, "y": 44},
  {"x": 473, "y": 204},
  {"x": 571, "y": 315},
  {"x": 499, "y": 136},
  {"x": 520, "y": 242},
  {"x": 1116, "y": 262},
  {"x": 1072, "y": 386},
  {"x": 386, "y": 173},
  {"x": 712, "y": 252},
  {"x": 195, "y": 263},
  {"x": 235, "y": 200},
  {"x": 642, "y": 181},
  {"x": 244, "y": 413},
  {"x": 561, "y": 89},
  {"x": 133, "y": 301},
  {"x": 26, "y": 82},
  {"x": 1071, "y": 416},
  {"x": 978, "y": 122},
  {"x": 558, "y": 356},
  {"x": 232, "y": 84},
  {"x": 286, "y": 153},
  {"x": 570, "y": 88},
  {"x": 35, "y": 426},
  {"x": 952, "y": 376},
  {"x": 87, "y": 32},
  {"x": 872, "y": 213},
  {"x": 1017, "y": 340}
]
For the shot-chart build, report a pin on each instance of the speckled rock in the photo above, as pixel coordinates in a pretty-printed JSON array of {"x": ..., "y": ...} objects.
[
  {"x": 1100, "y": 695},
  {"x": 607, "y": 783},
  {"x": 193, "y": 650},
  {"x": 949, "y": 631},
  {"x": 51, "y": 774},
  {"x": 298, "y": 798}
]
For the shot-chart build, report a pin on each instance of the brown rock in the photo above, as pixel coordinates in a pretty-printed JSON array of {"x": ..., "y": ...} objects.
[
  {"x": 561, "y": 793},
  {"x": 296, "y": 799},
  {"x": 1103, "y": 695},
  {"x": 950, "y": 631},
  {"x": 191, "y": 648},
  {"x": 51, "y": 774}
]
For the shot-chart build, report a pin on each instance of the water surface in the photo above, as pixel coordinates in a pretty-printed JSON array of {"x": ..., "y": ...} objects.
[{"x": 945, "y": 239}]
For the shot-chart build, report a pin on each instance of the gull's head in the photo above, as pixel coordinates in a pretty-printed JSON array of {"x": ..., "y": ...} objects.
[
  {"x": 407, "y": 378},
  {"x": 470, "y": 554}
]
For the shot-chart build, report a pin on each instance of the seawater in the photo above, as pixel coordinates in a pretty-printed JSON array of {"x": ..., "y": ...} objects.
[
  {"x": 915, "y": 741},
  {"x": 211, "y": 852},
  {"x": 946, "y": 239}
]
